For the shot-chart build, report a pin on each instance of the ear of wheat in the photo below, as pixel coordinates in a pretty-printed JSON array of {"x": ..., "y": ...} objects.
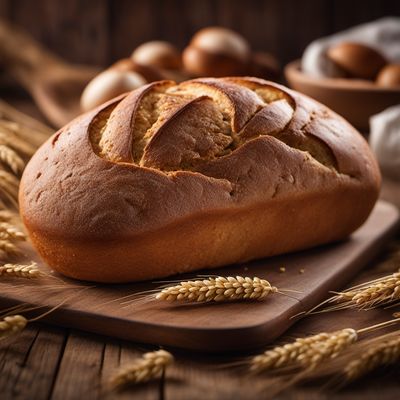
[
  {"x": 218, "y": 289},
  {"x": 30, "y": 271},
  {"x": 366, "y": 296},
  {"x": 381, "y": 353},
  {"x": 12, "y": 325},
  {"x": 150, "y": 366},
  {"x": 19, "y": 125},
  {"x": 9, "y": 185},
  {"x": 9, "y": 231},
  {"x": 8, "y": 248},
  {"x": 11, "y": 159},
  {"x": 305, "y": 352},
  {"x": 377, "y": 293},
  {"x": 309, "y": 352},
  {"x": 6, "y": 215}
]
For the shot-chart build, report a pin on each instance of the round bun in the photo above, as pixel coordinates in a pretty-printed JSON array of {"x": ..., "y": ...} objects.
[
  {"x": 123, "y": 76},
  {"x": 108, "y": 84},
  {"x": 389, "y": 76},
  {"x": 158, "y": 54},
  {"x": 175, "y": 178},
  {"x": 357, "y": 60},
  {"x": 216, "y": 52}
]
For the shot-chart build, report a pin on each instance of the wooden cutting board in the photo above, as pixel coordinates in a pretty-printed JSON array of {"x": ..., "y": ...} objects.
[{"x": 211, "y": 327}]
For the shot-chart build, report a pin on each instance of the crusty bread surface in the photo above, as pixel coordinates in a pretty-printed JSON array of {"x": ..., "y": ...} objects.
[{"x": 174, "y": 178}]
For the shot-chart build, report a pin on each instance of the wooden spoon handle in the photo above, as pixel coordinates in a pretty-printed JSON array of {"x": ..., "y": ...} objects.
[{"x": 24, "y": 58}]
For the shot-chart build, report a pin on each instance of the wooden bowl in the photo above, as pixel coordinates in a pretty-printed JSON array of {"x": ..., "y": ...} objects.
[{"x": 355, "y": 100}]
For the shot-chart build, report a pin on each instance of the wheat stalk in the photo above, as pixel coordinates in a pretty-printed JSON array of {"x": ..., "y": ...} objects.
[
  {"x": 28, "y": 128},
  {"x": 10, "y": 139},
  {"x": 305, "y": 352},
  {"x": 381, "y": 353},
  {"x": 11, "y": 325},
  {"x": 10, "y": 158},
  {"x": 150, "y": 366},
  {"x": 9, "y": 231},
  {"x": 310, "y": 351},
  {"x": 218, "y": 289},
  {"x": 9, "y": 185},
  {"x": 9, "y": 248},
  {"x": 380, "y": 292},
  {"x": 366, "y": 296},
  {"x": 20, "y": 271},
  {"x": 6, "y": 215}
]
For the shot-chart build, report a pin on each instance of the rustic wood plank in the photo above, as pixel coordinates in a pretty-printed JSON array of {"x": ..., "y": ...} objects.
[
  {"x": 211, "y": 378},
  {"x": 347, "y": 14},
  {"x": 41, "y": 365},
  {"x": 197, "y": 15},
  {"x": 4, "y": 9},
  {"x": 14, "y": 353},
  {"x": 80, "y": 368},
  {"x": 133, "y": 23},
  {"x": 104, "y": 30},
  {"x": 75, "y": 30}
]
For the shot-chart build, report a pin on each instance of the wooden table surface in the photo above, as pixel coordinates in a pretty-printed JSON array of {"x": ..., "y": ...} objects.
[{"x": 46, "y": 362}]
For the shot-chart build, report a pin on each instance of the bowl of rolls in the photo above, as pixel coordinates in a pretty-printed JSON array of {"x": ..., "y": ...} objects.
[
  {"x": 364, "y": 83},
  {"x": 355, "y": 72}
]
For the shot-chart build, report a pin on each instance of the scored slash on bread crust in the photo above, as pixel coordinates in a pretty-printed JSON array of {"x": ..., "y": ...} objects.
[{"x": 173, "y": 178}]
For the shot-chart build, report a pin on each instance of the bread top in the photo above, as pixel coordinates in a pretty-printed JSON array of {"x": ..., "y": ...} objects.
[{"x": 165, "y": 152}]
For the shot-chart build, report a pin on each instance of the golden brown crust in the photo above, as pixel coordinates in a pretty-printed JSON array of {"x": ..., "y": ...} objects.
[{"x": 172, "y": 178}]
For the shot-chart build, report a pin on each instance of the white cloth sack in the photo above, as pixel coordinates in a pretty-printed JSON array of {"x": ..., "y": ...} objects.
[{"x": 385, "y": 140}]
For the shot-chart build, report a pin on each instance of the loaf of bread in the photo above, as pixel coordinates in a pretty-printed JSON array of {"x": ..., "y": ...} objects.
[{"x": 175, "y": 178}]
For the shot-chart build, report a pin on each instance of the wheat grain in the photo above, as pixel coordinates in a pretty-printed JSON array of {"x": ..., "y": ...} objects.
[
  {"x": 20, "y": 271},
  {"x": 8, "y": 138},
  {"x": 27, "y": 127},
  {"x": 329, "y": 348},
  {"x": 218, "y": 289},
  {"x": 9, "y": 186},
  {"x": 148, "y": 367},
  {"x": 9, "y": 248},
  {"x": 6, "y": 215},
  {"x": 281, "y": 356},
  {"x": 11, "y": 325},
  {"x": 10, "y": 158},
  {"x": 381, "y": 353},
  {"x": 9, "y": 231},
  {"x": 305, "y": 352}
]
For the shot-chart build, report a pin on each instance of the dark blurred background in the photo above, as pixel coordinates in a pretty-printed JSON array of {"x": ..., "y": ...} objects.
[{"x": 101, "y": 31}]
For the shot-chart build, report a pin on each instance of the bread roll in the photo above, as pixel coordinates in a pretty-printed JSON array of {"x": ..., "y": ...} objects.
[
  {"x": 158, "y": 54},
  {"x": 175, "y": 178},
  {"x": 389, "y": 76},
  {"x": 357, "y": 60},
  {"x": 123, "y": 76},
  {"x": 217, "y": 52}
]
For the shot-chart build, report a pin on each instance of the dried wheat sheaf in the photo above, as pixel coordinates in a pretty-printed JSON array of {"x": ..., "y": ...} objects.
[
  {"x": 218, "y": 289},
  {"x": 11, "y": 159},
  {"x": 150, "y": 366}
]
